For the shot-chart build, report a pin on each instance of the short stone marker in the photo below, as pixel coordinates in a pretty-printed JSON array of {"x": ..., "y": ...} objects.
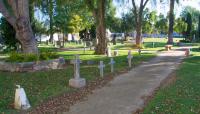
[
  {"x": 21, "y": 101},
  {"x": 84, "y": 48},
  {"x": 139, "y": 51},
  {"x": 101, "y": 67},
  {"x": 112, "y": 62},
  {"x": 116, "y": 52},
  {"x": 108, "y": 52},
  {"x": 90, "y": 62},
  {"x": 129, "y": 57},
  {"x": 77, "y": 82},
  {"x": 187, "y": 52},
  {"x": 168, "y": 47}
]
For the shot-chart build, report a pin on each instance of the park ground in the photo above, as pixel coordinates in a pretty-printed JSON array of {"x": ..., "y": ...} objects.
[
  {"x": 43, "y": 85},
  {"x": 183, "y": 95}
]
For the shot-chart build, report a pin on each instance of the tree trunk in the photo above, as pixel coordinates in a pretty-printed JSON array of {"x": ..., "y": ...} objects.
[
  {"x": 138, "y": 12},
  {"x": 139, "y": 29},
  {"x": 100, "y": 30},
  {"x": 51, "y": 20},
  {"x": 20, "y": 20},
  {"x": 171, "y": 22},
  {"x": 198, "y": 31}
]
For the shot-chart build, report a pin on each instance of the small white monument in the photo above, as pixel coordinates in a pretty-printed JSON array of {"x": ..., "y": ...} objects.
[
  {"x": 129, "y": 57},
  {"x": 77, "y": 82},
  {"x": 21, "y": 101},
  {"x": 112, "y": 62},
  {"x": 84, "y": 48},
  {"x": 101, "y": 67},
  {"x": 116, "y": 52},
  {"x": 108, "y": 52},
  {"x": 139, "y": 51}
]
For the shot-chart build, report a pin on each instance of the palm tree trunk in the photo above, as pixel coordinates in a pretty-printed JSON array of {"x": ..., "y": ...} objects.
[{"x": 171, "y": 22}]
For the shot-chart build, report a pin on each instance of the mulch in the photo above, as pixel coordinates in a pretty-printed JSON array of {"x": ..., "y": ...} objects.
[{"x": 62, "y": 103}]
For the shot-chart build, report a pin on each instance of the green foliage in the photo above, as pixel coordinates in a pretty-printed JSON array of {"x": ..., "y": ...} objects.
[
  {"x": 48, "y": 55},
  {"x": 149, "y": 21},
  {"x": 180, "y": 26},
  {"x": 162, "y": 24},
  {"x": 198, "y": 31},
  {"x": 128, "y": 24},
  {"x": 8, "y": 34},
  {"x": 189, "y": 25},
  {"x": 19, "y": 57}
]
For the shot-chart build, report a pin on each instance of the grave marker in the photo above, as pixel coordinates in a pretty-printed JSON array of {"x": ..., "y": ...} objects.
[
  {"x": 21, "y": 101},
  {"x": 112, "y": 62},
  {"x": 77, "y": 82},
  {"x": 108, "y": 52},
  {"x": 101, "y": 67},
  {"x": 116, "y": 52},
  {"x": 139, "y": 51},
  {"x": 129, "y": 57}
]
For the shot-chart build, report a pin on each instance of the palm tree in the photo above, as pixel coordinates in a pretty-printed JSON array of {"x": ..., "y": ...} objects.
[{"x": 171, "y": 21}]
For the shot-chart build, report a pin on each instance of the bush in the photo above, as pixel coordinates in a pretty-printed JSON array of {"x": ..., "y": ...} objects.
[
  {"x": 48, "y": 55},
  {"x": 19, "y": 57},
  {"x": 184, "y": 41}
]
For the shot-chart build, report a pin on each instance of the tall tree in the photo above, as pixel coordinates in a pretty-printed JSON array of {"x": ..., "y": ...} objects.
[
  {"x": 16, "y": 13},
  {"x": 198, "y": 32},
  {"x": 161, "y": 24},
  {"x": 180, "y": 26},
  {"x": 138, "y": 12},
  {"x": 189, "y": 26},
  {"x": 171, "y": 21},
  {"x": 98, "y": 8},
  {"x": 48, "y": 8}
]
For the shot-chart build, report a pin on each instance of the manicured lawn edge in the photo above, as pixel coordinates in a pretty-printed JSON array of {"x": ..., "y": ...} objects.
[{"x": 179, "y": 97}]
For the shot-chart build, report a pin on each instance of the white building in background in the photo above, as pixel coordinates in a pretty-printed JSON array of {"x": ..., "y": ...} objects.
[{"x": 71, "y": 37}]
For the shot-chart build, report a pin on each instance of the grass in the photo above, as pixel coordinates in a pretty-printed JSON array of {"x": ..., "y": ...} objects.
[
  {"x": 42, "y": 85},
  {"x": 183, "y": 96}
]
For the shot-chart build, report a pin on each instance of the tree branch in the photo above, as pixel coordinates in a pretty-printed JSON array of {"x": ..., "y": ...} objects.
[
  {"x": 145, "y": 3},
  {"x": 13, "y": 5},
  {"x": 90, "y": 4},
  {"x": 10, "y": 18},
  {"x": 135, "y": 9}
]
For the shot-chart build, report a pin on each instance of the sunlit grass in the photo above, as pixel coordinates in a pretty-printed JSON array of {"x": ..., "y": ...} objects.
[{"x": 182, "y": 97}]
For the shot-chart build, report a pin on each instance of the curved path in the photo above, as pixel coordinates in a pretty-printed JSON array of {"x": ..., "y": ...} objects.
[{"x": 124, "y": 94}]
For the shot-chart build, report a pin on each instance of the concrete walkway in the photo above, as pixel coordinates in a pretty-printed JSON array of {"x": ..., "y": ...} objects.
[{"x": 124, "y": 94}]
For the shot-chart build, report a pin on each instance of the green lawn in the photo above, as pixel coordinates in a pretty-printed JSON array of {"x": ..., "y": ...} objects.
[
  {"x": 183, "y": 96},
  {"x": 39, "y": 86}
]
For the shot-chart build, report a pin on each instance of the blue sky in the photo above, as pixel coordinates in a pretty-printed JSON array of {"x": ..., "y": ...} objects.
[{"x": 159, "y": 8}]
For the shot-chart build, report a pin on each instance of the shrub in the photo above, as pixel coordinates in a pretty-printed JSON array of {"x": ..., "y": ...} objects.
[
  {"x": 15, "y": 57},
  {"x": 19, "y": 57},
  {"x": 48, "y": 55}
]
